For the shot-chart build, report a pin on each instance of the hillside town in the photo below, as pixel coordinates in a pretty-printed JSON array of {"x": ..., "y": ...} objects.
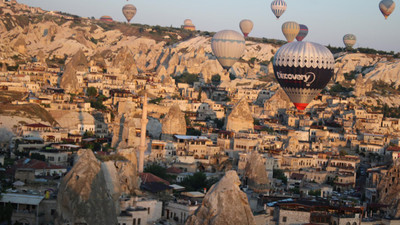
[{"x": 103, "y": 122}]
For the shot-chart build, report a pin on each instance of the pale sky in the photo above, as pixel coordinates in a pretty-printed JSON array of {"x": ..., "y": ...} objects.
[{"x": 328, "y": 20}]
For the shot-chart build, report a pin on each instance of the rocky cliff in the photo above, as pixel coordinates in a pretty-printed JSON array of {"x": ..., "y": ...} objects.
[
  {"x": 362, "y": 86},
  {"x": 224, "y": 204},
  {"x": 82, "y": 191},
  {"x": 387, "y": 71},
  {"x": 174, "y": 122},
  {"x": 352, "y": 62},
  {"x": 388, "y": 190},
  {"x": 278, "y": 101},
  {"x": 91, "y": 184},
  {"x": 257, "y": 176},
  {"x": 240, "y": 118}
]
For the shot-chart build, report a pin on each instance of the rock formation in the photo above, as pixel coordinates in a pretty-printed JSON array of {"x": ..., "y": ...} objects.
[
  {"x": 82, "y": 191},
  {"x": 91, "y": 184},
  {"x": 257, "y": 176},
  {"x": 20, "y": 45},
  {"x": 240, "y": 118},
  {"x": 361, "y": 87},
  {"x": 173, "y": 123},
  {"x": 386, "y": 71},
  {"x": 351, "y": 62},
  {"x": 79, "y": 62},
  {"x": 69, "y": 80},
  {"x": 124, "y": 63},
  {"x": 388, "y": 190},
  {"x": 124, "y": 132},
  {"x": 278, "y": 101},
  {"x": 224, "y": 204}
]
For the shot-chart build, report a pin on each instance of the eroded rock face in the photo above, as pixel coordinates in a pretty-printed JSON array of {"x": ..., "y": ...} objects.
[
  {"x": 124, "y": 63},
  {"x": 82, "y": 191},
  {"x": 386, "y": 71},
  {"x": 240, "y": 118},
  {"x": 69, "y": 80},
  {"x": 256, "y": 174},
  {"x": 278, "y": 101},
  {"x": 224, "y": 204},
  {"x": 351, "y": 62},
  {"x": 362, "y": 86},
  {"x": 174, "y": 122},
  {"x": 89, "y": 193},
  {"x": 388, "y": 190}
]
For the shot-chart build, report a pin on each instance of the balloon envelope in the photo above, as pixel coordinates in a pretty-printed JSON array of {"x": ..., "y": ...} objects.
[
  {"x": 278, "y": 7},
  {"x": 349, "y": 40},
  {"x": 302, "y": 33},
  {"x": 246, "y": 26},
  {"x": 290, "y": 30},
  {"x": 303, "y": 69},
  {"x": 387, "y": 7},
  {"x": 129, "y": 11},
  {"x": 228, "y": 46}
]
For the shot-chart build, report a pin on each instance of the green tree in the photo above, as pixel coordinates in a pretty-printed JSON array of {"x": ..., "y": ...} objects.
[
  {"x": 219, "y": 122},
  {"x": 157, "y": 170},
  {"x": 38, "y": 156},
  {"x": 216, "y": 79},
  {"x": 278, "y": 174},
  {"x": 192, "y": 131},
  {"x": 197, "y": 182},
  {"x": 315, "y": 193},
  {"x": 91, "y": 92}
]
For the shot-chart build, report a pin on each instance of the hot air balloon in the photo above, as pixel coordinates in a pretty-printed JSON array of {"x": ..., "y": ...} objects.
[
  {"x": 278, "y": 7},
  {"x": 349, "y": 40},
  {"x": 387, "y": 7},
  {"x": 129, "y": 11},
  {"x": 303, "y": 69},
  {"x": 227, "y": 46},
  {"x": 290, "y": 30},
  {"x": 246, "y": 26},
  {"x": 302, "y": 33}
]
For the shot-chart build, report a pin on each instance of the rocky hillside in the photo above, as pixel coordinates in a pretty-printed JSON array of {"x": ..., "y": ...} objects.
[
  {"x": 224, "y": 204},
  {"x": 132, "y": 49}
]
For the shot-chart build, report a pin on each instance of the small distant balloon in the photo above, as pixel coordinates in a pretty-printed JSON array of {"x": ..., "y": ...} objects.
[
  {"x": 228, "y": 46},
  {"x": 303, "y": 69},
  {"x": 290, "y": 29},
  {"x": 387, "y": 7},
  {"x": 302, "y": 33},
  {"x": 349, "y": 40},
  {"x": 129, "y": 11},
  {"x": 246, "y": 26},
  {"x": 278, "y": 7}
]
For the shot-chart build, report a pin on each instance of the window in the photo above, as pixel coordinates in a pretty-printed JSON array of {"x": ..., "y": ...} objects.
[
  {"x": 134, "y": 221},
  {"x": 148, "y": 210},
  {"x": 284, "y": 219},
  {"x": 138, "y": 221}
]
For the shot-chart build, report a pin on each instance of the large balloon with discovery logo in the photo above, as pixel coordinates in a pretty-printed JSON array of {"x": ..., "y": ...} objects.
[{"x": 303, "y": 69}]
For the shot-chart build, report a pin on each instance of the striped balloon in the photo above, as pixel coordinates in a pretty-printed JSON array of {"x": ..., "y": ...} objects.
[
  {"x": 228, "y": 46},
  {"x": 387, "y": 7},
  {"x": 246, "y": 26},
  {"x": 349, "y": 40},
  {"x": 290, "y": 30},
  {"x": 278, "y": 7},
  {"x": 129, "y": 11},
  {"x": 302, "y": 33},
  {"x": 303, "y": 69}
]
